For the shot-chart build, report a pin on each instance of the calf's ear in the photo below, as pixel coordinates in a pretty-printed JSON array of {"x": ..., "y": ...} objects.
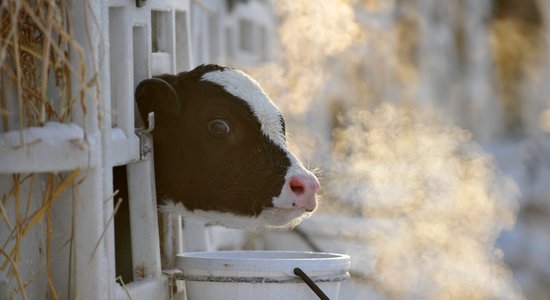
[{"x": 157, "y": 95}]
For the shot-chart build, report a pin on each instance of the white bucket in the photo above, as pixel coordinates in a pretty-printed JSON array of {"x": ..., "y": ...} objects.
[{"x": 261, "y": 275}]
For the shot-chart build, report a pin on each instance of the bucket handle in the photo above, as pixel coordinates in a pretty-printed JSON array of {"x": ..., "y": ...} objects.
[{"x": 315, "y": 288}]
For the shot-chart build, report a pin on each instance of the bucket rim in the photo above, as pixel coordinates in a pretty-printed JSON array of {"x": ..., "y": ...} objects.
[
  {"x": 267, "y": 265},
  {"x": 210, "y": 255}
]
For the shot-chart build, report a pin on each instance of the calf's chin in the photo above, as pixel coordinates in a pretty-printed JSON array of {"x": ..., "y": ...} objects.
[{"x": 220, "y": 151}]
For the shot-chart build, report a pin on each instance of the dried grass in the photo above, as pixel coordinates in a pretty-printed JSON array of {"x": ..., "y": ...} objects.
[
  {"x": 37, "y": 60},
  {"x": 25, "y": 221},
  {"x": 42, "y": 79}
]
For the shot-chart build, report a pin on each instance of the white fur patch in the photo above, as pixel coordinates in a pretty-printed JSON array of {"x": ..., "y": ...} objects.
[
  {"x": 240, "y": 85},
  {"x": 269, "y": 218}
]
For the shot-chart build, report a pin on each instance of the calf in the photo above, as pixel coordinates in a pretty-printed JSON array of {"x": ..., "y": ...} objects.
[{"x": 220, "y": 150}]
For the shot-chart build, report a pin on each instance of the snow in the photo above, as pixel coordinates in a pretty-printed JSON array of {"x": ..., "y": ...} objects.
[
  {"x": 51, "y": 133},
  {"x": 160, "y": 63}
]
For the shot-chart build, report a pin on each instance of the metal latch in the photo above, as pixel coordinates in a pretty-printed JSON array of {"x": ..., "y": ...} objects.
[{"x": 145, "y": 138}]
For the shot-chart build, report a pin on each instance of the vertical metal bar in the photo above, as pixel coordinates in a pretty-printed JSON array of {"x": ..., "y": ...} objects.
[
  {"x": 121, "y": 68},
  {"x": 90, "y": 259},
  {"x": 183, "y": 41},
  {"x": 143, "y": 219}
]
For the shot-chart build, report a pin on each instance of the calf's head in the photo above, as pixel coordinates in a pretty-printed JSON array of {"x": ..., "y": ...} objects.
[{"x": 221, "y": 152}]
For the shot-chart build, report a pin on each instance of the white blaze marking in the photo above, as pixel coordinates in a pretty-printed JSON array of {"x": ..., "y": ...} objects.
[{"x": 242, "y": 86}]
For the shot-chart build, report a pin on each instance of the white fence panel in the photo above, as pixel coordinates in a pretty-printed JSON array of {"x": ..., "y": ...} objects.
[{"x": 100, "y": 152}]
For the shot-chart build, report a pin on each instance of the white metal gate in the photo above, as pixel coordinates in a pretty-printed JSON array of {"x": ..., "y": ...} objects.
[{"x": 56, "y": 180}]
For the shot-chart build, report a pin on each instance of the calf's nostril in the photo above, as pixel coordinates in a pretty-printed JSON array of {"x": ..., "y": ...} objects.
[{"x": 297, "y": 186}]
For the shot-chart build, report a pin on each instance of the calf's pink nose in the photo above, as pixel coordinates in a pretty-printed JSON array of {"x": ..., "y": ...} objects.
[{"x": 303, "y": 191}]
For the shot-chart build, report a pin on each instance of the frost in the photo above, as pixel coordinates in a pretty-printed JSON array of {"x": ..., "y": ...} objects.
[{"x": 51, "y": 133}]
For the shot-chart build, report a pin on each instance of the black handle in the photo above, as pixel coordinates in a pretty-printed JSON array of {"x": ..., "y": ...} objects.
[{"x": 311, "y": 284}]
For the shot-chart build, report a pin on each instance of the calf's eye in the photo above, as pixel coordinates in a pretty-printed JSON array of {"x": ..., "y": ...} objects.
[{"x": 218, "y": 128}]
